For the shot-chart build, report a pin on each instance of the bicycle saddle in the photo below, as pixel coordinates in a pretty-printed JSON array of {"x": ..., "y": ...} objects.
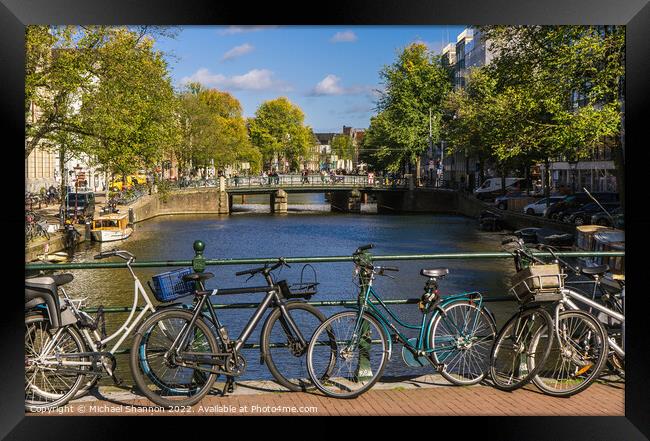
[
  {"x": 595, "y": 270},
  {"x": 197, "y": 277},
  {"x": 434, "y": 272}
]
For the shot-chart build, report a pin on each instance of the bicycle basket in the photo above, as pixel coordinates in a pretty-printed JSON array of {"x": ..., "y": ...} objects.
[
  {"x": 171, "y": 286},
  {"x": 538, "y": 283},
  {"x": 306, "y": 288}
]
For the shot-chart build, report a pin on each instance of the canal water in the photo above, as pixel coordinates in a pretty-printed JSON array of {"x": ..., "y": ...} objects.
[{"x": 308, "y": 230}]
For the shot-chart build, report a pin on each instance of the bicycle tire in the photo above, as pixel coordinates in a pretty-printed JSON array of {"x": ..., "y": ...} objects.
[
  {"x": 318, "y": 381},
  {"x": 507, "y": 382},
  {"x": 558, "y": 352},
  {"x": 140, "y": 362},
  {"x": 64, "y": 396},
  {"x": 480, "y": 361},
  {"x": 266, "y": 341}
]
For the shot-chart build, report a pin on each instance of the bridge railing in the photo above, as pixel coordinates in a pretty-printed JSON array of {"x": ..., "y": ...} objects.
[
  {"x": 199, "y": 263},
  {"x": 314, "y": 180}
]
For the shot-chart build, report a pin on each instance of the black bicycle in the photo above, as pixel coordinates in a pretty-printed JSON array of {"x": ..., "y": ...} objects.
[{"x": 177, "y": 354}]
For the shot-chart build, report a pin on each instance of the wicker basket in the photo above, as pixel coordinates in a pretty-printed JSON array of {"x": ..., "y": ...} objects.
[{"x": 538, "y": 283}]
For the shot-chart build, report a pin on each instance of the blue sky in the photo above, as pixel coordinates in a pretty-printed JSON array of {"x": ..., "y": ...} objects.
[{"x": 331, "y": 72}]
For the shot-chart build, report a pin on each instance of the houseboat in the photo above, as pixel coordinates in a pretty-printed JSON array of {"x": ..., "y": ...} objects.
[{"x": 111, "y": 227}]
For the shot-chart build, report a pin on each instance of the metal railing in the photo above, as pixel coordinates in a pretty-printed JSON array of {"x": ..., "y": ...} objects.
[
  {"x": 199, "y": 263},
  {"x": 315, "y": 180}
]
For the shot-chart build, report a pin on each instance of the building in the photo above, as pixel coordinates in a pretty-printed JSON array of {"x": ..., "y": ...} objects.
[
  {"x": 463, "y": 171},
  {"x": 324, "y": 148}
]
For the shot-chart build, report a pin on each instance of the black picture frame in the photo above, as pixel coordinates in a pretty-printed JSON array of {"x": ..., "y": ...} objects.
[{"x": 16, "y": 14}]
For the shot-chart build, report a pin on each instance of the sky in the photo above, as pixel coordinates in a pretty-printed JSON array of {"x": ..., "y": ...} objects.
[{"x": 331, "y": 72}]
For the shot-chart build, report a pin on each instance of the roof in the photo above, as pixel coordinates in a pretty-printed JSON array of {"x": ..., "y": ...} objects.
[{"x": 112, "y": 216}]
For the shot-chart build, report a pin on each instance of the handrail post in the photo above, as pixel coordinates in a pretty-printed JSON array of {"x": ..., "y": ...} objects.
[{"x": 198, "y": 263}]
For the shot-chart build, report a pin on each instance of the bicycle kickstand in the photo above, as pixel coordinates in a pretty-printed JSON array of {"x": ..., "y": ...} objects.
[{"x": 229, "y": 387}]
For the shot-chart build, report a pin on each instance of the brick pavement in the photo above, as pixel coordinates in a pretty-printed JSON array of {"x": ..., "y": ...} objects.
[{"x": 606, "y": 399}]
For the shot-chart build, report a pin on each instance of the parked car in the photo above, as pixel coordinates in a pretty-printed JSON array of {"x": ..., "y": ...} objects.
[
  {"x": 80, "y": 205},
  {"x": 582, "y": 215},
  {"x": 540, "y": 205},
  {"x": 118, "y": 185},
  {"x": 577, "y": 200},
  {"x": 491, "y": 187},
  {"x": 603, "y": 219}
]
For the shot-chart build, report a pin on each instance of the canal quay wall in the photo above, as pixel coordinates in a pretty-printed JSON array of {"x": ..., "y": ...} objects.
[
  {"x": 54, "y": 244},
  {"x": 440, "y": 201},
  {"x": 194, "y": 201}
]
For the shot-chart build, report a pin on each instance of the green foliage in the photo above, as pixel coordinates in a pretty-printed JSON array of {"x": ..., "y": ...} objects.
[
  {"x": 213, "y": 130},
  {"x": 131, "y": 108},
  {"x": 416, "y": 86},
  {"x": 343, "y": 146},
  {"x": 537, "y": 70},
  {"x": 278, "y": 131}
]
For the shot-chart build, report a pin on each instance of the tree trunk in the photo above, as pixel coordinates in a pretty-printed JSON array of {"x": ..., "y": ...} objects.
[
  {"x": 417, "y": 171},
  {"x": 546, "y": 182},
  {"x": 63, "y": 189},
  {"x": 503, "y": 180}
]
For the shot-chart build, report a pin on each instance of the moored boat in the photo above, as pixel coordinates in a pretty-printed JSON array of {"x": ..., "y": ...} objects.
[{"x": 111, "y": 227}]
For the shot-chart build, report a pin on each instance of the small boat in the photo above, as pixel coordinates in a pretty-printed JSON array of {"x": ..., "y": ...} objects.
[
  {"x": 111, "y": 227},
  {"x": 59, "y": 256}
]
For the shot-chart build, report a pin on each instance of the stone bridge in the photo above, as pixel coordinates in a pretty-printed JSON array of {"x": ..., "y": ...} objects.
[{"x": 345, "y": 193}]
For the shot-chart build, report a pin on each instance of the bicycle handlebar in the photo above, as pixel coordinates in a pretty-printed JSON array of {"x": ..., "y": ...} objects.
[
  {"x": 264, "y": 269},
  {"x": 389, "y": 268},
  {"x": 364, "y": 248}
]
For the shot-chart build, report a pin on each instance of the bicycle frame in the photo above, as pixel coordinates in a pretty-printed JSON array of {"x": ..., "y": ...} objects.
[
  {"x": 94, "y": 339},
  {"x": 272, "y": 296},
  {"x": 422, "y": 345},
  {"x": 569, "y": 294}
]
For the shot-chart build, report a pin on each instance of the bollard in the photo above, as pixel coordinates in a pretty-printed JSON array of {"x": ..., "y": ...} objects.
[{"x": 198, "y": 263}]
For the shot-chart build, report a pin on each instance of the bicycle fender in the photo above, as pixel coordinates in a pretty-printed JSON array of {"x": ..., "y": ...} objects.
[{"x": 385, "y": 329}]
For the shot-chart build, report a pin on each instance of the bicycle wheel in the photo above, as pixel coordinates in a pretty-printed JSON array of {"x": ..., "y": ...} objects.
[
  {"x": 512, "y": 353},
  {"x": 281, "y": 347},
  {"x": 345, "y": 364},
  {"x": 461, "y": 338},
  {"x": 578, "y": 354},
  {"x": 48, "y": 387},
  {"x": 157, "y": 371}
]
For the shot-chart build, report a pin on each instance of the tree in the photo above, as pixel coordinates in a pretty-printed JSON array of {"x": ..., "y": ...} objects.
[
  {"x": 278, "y": 131},
  {"x": 57, "y": 65},
  {"x": 343, "y": 146},
  {"x": 540, "y": 68},
  {"x": 130, "y": 108},
  {"x": 415, "y": 88},
  {"x": 214, "y": 130}
]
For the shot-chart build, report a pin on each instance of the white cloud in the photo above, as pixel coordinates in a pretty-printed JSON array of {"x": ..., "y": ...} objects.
[
  {"x": 331, "y": 85},
  {"x": 256, "y": 79},
  {"x": 232, "y": 30},
  {"x": 435, "y": 47},
  {"x": 344, "y": 37},
  {"x": 237, "y": 51}
]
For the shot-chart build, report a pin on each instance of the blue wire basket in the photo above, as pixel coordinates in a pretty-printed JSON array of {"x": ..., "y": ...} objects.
[{"x": 171, "y": 286}]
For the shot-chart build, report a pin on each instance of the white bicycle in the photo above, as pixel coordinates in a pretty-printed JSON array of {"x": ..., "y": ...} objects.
[{"x": 66, "y": 349}]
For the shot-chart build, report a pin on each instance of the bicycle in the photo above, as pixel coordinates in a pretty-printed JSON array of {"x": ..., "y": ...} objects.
[
  {"x": 177, "y": 354},
  {"x": 348, "y": 352},
  {"x": 64, "y": 345},
  {"x": 609, "y": 291},
  {"x": 562, "y": 354}
]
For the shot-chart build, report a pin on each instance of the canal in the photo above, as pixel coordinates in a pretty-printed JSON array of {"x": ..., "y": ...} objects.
[{"x": 308, "y": 230}]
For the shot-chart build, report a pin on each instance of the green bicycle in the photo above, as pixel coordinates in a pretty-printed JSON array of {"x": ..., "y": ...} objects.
[{"x": 348, "y": 352}]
